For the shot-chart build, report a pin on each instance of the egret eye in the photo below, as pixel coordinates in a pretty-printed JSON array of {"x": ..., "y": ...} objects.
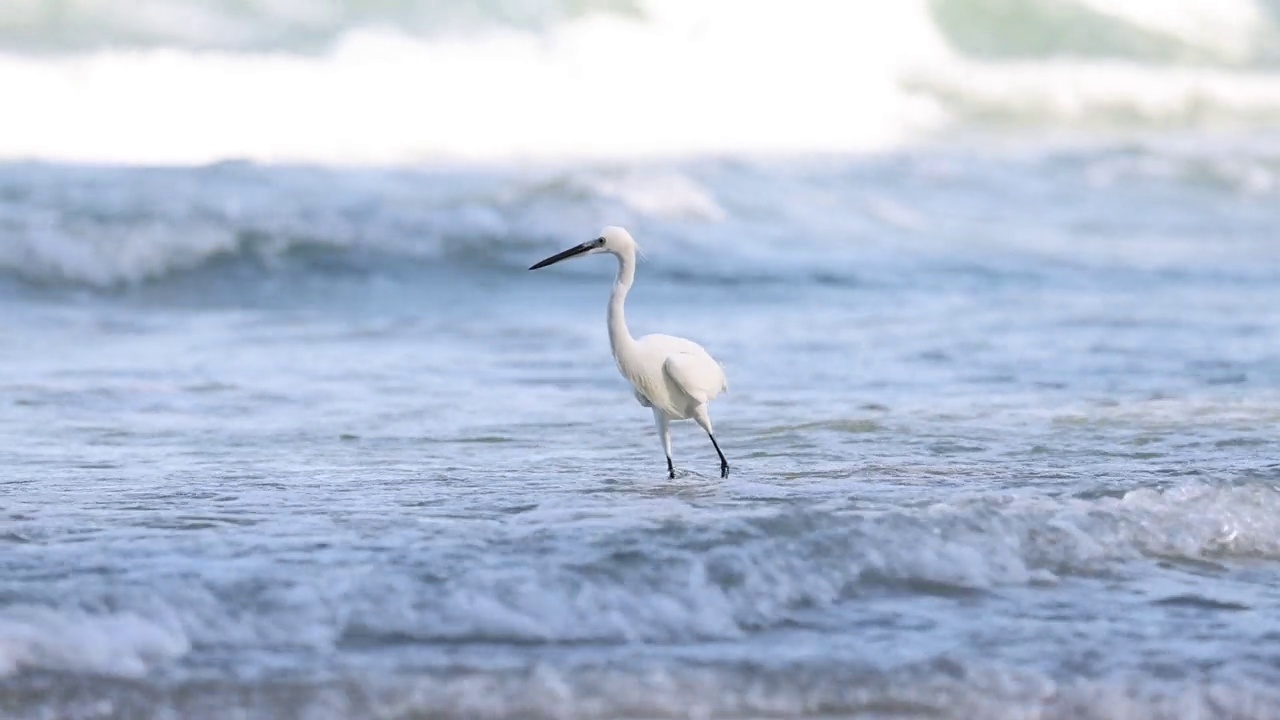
[{"x": 599, "y": 242}]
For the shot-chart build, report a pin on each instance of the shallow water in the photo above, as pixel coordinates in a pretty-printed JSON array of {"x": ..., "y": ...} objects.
[{"x": 291, "y": 442}]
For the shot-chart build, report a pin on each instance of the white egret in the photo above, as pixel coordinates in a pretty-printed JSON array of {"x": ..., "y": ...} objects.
[{"x": 673, "y": 376}]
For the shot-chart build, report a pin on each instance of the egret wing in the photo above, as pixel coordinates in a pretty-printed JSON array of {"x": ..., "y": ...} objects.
[{"x": 696, "y": 374}]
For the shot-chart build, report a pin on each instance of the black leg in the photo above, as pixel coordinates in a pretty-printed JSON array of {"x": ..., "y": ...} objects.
[
  {"x": 671, "y": 469},
  {"x": 724, "y": 464}
]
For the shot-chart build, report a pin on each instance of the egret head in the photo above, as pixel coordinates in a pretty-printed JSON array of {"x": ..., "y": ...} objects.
[{"x": 612, "y": 239}]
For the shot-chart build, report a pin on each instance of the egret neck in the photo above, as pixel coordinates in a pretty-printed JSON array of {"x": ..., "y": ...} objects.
[{"x": 620, "y": 339}]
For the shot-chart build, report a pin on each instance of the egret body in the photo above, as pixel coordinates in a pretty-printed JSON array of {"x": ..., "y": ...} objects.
[{"x": 673, "y": 376}]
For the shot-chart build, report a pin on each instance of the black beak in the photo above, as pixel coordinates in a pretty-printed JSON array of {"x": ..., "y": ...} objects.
[{"x": 575, "y": 250}]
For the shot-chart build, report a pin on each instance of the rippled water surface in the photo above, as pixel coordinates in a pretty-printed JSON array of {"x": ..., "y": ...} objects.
[{"x": 301, "y": 443}]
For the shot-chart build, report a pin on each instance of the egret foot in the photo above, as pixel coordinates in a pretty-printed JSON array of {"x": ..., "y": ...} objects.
[
  {"x": 671, "y": 469},
  {"x": 724, "y": 464}
]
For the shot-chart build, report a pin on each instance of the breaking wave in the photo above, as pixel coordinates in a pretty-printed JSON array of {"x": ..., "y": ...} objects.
[
  {"x": 125, "y": 644},
  {"x": 636, "y": 582},
  {"x": 358, "y": 82},
  {"x": 711, "y": 222},
  {"x": 699, "y": 578}
]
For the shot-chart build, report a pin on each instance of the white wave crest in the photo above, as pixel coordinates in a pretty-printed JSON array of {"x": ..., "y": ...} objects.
[
  {"x": 1080, "y": 95},
  {"x": 690, "y": 78},
  {"x": 678, "y": 79},
  {"x": 121, "y": 644}
]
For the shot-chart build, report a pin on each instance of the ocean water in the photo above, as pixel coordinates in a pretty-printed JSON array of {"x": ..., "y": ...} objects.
[{"x": 287, "y": 429}]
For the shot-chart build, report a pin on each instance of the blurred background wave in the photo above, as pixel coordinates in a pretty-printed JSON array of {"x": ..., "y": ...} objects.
[
  {"x": 236, "y": 140},
  {"x": 370, "y": 81}
]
